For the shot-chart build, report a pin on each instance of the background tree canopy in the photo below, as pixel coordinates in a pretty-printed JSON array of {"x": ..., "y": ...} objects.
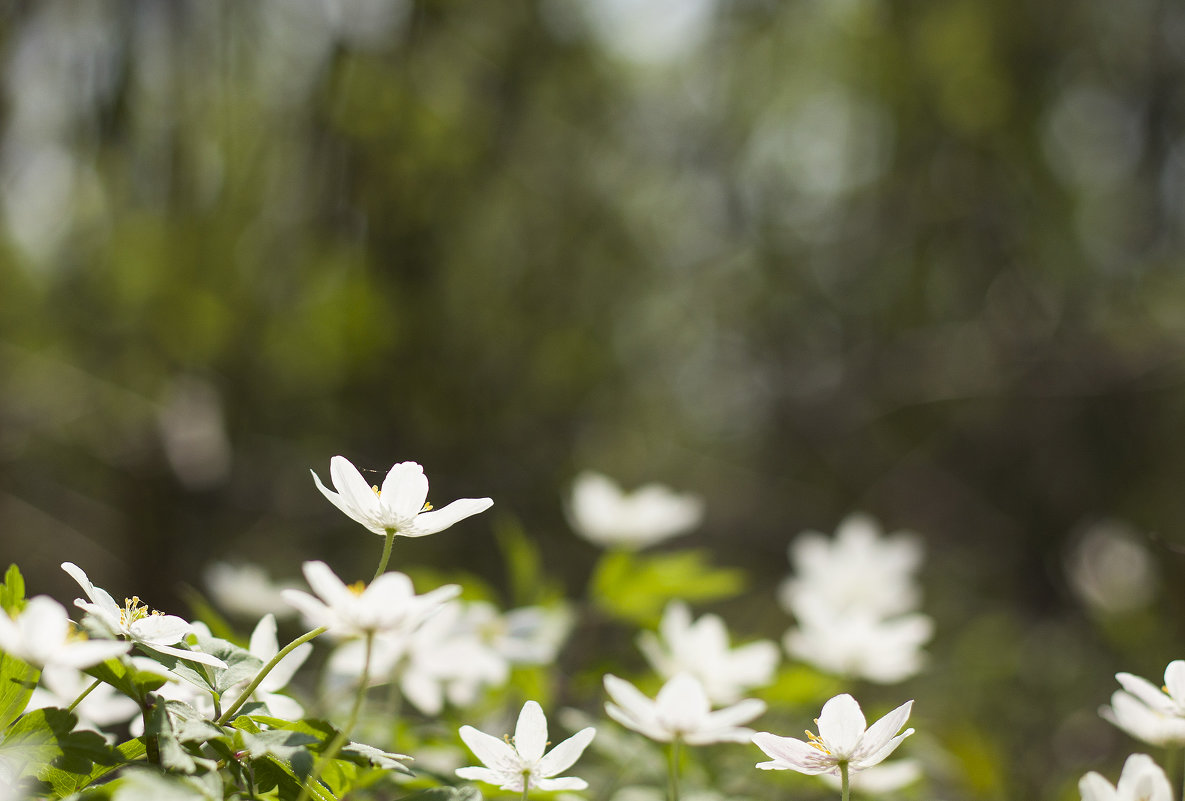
[{"x": 921, "y": 259}]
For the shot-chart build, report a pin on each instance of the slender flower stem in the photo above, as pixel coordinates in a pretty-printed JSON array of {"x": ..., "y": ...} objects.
[
  {"x": 386, "y": 557},
  {"x": 844, "y": 789},
  {"x": 343, "y": 734},
  {"x": 266, "y": 669},
  {"x": 526, "y": 784},
  {"x": 84, "y": 694},
  {"x": 673, "y": 783}
]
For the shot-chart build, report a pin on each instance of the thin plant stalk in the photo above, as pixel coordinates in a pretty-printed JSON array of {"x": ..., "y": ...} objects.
[
  {"x": 386, "y": 557},
  {"x": 673, "y": 773},
  {"x": 266, "y": 669},
  {"x": 84, "y": 694},
  {"x": 844, "y": 788},
  {"x": 526, "y": 784},
  {"x": 343, "y": 734}
]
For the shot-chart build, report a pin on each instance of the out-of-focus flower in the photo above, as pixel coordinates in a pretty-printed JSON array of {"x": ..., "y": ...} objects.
[
  {"x": 1111, "y": 570},
  {"x": 844, "y": 738},
  {"x": 1147, "y": 712},
  {"x": 43, "y": 636},
  {"x": 860, "y": 646},
  {"x": 400, "y": 507},
  {"x": 522, "y": 764},
  {"x": 133, "y": 620},
  {"x": 857, "y": 571},
  {"x": 1141, "y": 780},
  {"x": 530, "y": 635},
  {"x": 103, "y": 706},
  {"x": 387, "y": 604},
  {"x": 265, "y": 646},
  {"x": 701, "y": 648},
  {"x": 603, "y": 514},
  {"x": 887, "y": 777},
  {"x": 680, "y": 711},
  {"x": 246, "y": 589}
]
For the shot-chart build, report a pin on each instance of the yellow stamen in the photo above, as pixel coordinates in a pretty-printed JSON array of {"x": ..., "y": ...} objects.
[
  {"x": 358, "y": 587},
  {"x": 427, "y": 507},
  {"x": 377, "y": 491},
  {"x": 815, "y": 741}
]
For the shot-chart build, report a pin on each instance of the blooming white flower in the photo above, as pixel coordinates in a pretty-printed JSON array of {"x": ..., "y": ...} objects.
[
  {"x": 858, "y": 645},
  {"x": 103, "y": 706},
  {"x": 1141, "y": 780},
  {"x": 857, "y": 571},
  {"x": 43, "y": 636},
  {"x": 1147, "y": 712},
  {"x": 388, "y": 604},
  {"x": 843, "y": 739},
  {"x": 681, "y": 710},
  {"x": 246, "y": 589},
  {"x": 447, "y": 658},
  {"x": 523, "y": 764},
  {"x": 400, "y": 507},
  {"x": 133, "y": 620},
  {"x": 603, "y": 514},
  {"x": 701, "y": 648},
  {"x": 265, "y": 646}
]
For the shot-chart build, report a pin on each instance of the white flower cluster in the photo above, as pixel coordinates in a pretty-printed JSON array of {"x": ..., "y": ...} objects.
[{"x": 855, "y": 600}]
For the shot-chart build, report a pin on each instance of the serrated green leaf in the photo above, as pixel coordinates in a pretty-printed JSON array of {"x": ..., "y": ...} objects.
[
  {"x": 44, "y": 744},
  {"x": 173, "y": 753},
  {"x": 636, "y": 587},
  {"x": 12, "y": 591},
  {"x": 190, "y": 726},
  {"x": 242, "y": 665},
  {"x": 126, "y": 752},
  {"x": 82, "y": 752},
  {"x": 17, "y": 680}
]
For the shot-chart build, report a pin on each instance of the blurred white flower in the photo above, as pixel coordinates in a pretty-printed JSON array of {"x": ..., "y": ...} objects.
[
  {"x": 603, "y": 514},
  {"x": 522, "y": 764},
  {"x": 246, "y": 589},
  {"x": 530, "y": 635},
  {"x": 447, "y": 658},
  {"x": 1148, "y": 712},
  {"x": 680, "y": 711},
  {"x": 1110, "y": 569},
  {"x": 400, "y": 507},
  {"x": 701, "y": 648},
  {"x": 1141, "y": 780},
  {"x": 265, "y": 646},
  {"x": 844, "y": 738},
  {"x": 387, "y": 604},
  {"x": 103, "y": 706},
  {"x": 860, "y": 646},
  {"x": 42, "y": 635},
  {"x": 133, "y": 620},
  {"x": 887, "y": 777},
  {"x": 859, "y": 570}
]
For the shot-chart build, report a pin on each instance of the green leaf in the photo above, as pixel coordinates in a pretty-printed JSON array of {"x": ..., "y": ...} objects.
[
  {"x": 241, "y": 665},
  {"x": 127, "y": 752},
  {"x": 145, "y": 784},
  {"x": 12, "y": 591},
  {"x": 636, "y": 587},
  {"x": 529, "y": 583},
  {"x": 127, "y": 678},
  {"x": 173, "y": 753},
  {"x": 43, "y": 744},
  {"x": 17, "y": 680},
  {"x": 82, "y": 753}
]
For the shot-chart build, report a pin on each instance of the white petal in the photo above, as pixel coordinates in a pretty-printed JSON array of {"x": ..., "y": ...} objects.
[
  {"x": 480, "y": 775},
  {"x": 1174, "y": 681},
  {"x": 404, "y": 490},
  {"x": 341, "y": 502},
  {"x": 789, "y": 753},
  {"x": 682, "y": 704},
  {"x": 160, "y": 629},
  {"x": 263, "y": 639},
  {"x": 1093, "y": 787},
  {"x": 327, "y": 585},
  {"x": 494, "y": 753},
  {"x": 736, "y": 714},
  {"x": 1146, "y": 691},
  {"x": 841, "y": 724},
  {"x": 1144, "y": 780},
  {"x": 530, "y": 734},
  {"x": 355, "y": 492},
  {"x": 565, "y": 754},
  {"x": 566, "y": 783},
  {"x": 881, "y": 732},
  {"x": 191, "y": 656},
  {"x": 439, "y": 520}
]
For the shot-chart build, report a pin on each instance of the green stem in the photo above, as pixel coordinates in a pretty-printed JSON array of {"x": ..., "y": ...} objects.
[
  {"x": 266, "y": 669},
  {"x": 673, "y": 774},
  {"x": 843, "y": 781},
  {"x": 343, "y": 734},
  {"x": 85, "y": 693},
  {"x": 526, "y": 782},
  {"x": 386, "y": 557}
]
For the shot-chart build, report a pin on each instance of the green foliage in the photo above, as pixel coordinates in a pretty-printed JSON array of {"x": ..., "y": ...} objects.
[
  {"x": 636, "y": 587},
  {"x": 17, "y": 681},
  {"x": 130, "y": 680},
  {"x": 241, "y": 665},
  {"x": 43, "y": 744},
  {"x": 12, "y": 591}
]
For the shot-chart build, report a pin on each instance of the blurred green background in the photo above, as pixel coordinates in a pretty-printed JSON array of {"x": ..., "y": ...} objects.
[{"x": 921, "y": 259}]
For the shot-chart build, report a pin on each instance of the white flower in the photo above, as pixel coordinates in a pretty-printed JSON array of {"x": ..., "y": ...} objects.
[
  {"x": 843, "y": 739},
  {"x": 447, "y": 658},
  {"x": 388, "y": 604},
  {"x": 265, "y": 646},
  {"x": 680, "y": 711},
  {"x": 511, "y": 766},
  {"x": 102, "y": 706},
  {"x": 400, "y": 507},
  {"x": 887, "y": 777},
  {"x": 245, "y": 589},
  {"x": 858, "y": 571},
  {"x": 603, "y": 514},
  {"x": 860, "y": 645},
  {"x": 1147, "y": 712},
  {"x": 1141, "y": 780},
  {"x": 43, "y": 636},
  {"x": 701, "y": 648},
  {"x": 133, "y": 620}
]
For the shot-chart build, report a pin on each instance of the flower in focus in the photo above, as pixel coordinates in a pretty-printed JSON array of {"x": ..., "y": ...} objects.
[
  {"x": 387, "y": 604},
  {"x": 843, "y": 739},
  {"x": 1148, "y": 712},
  {"x": 400, "y": 507},
  {"x": 680, "y": 711},
  {"x": 245, "y": 589},
  {"x": 1141, "y": 780},
  {"x": 43, "y": 636},
  {"x": 701, "y": 648},
  {"x": 603, "y": 514},
  {"x": 860, "y": 646},
  {"x": 522, "y": 763},
  {"x": 133, "y": 620}
]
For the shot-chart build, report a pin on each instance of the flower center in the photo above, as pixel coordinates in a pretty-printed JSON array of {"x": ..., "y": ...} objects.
[
  {"x": 133, "y": 610},
  {"x": 815, "y": 741},
  {"x": 358, "y": 587}
]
